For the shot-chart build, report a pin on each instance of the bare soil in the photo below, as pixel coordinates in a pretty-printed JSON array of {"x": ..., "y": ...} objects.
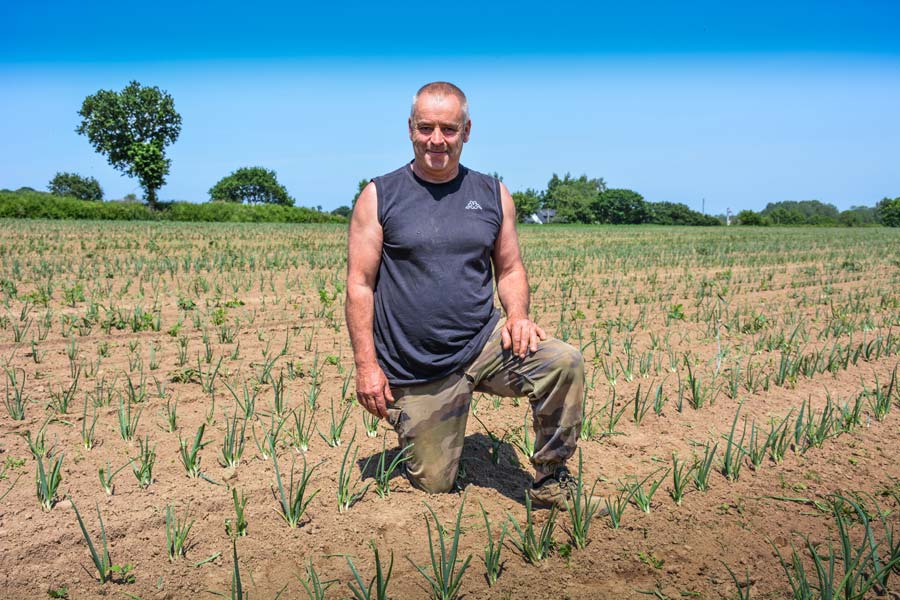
[{"x": 587, "y": 280}]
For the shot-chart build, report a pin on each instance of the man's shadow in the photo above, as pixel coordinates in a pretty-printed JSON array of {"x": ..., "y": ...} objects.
[{"x": 477, "y": 466}]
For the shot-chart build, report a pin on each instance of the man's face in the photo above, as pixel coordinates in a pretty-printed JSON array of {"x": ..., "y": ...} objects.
[{"x": 438, "y": 132}]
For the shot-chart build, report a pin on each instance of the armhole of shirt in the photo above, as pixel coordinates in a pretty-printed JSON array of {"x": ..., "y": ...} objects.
[
  {"x": 378, "y": 207},
  {"x": 499, "y": 198}
]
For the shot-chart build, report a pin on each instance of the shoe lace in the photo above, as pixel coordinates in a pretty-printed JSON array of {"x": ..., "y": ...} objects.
[{"x": 567, "y": 483}]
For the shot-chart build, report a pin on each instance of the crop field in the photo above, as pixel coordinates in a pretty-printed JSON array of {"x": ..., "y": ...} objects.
[{"x": 180, "y": 420}]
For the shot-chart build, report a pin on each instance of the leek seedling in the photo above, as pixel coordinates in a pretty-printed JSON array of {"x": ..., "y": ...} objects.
[
  {"x": 87, "y": 431},
  {"x": 314, "y": 586},
  {"x": 143, "y": 468},
  {"x": 444, "y": 578},
  {"x": 304, "y": 421},
  {"x": 238, "y": 527},
  {"x": 534, "y": 547},
  {"x": 295, "y": 501},
  {"x": 128, "y": 421},
  {"x": 106, "y": 476},
  {"x": 370, "y": 423},
  {"x": 379, "y": 581},
  {"x": 233, "y": 444},
  {"x": 15, "y": 403},
  {"x": 348, "y": 495},
  {"x": 47, "y": 480},
  {"x": 190, "y": 455},
  {"x": 60, "y": 400},
  {"x": 582, "y": 510},
  {"x": 384, "y": 470},
  {"x": 734, "y": 451},
  {"x": 170, "y": 413},
  {"x": 703, "y": 467},
  {"x": 337, "y": 425},
  {"x": 101, "y": 561},
  {"x": 38, "y": 446},
  {"x": 177, "y": 531},
  {"x": 643, "y": 499},
  {"x": 681, "y": 474},
  {"x": 492, "y": 550},
  {"x": 266, "y": 447},
  {"x": 524, "y": 442}
]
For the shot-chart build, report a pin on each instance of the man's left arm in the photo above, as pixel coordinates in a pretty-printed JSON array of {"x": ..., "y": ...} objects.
[{"x": 519, "y": 332}]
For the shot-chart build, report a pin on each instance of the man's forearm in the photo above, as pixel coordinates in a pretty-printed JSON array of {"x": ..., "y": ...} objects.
[
  {"x": 513, "y": 290},
  {"x": 360, "y": 315}
]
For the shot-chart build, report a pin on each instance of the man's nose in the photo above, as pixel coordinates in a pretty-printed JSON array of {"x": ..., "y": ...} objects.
[{"x": 437, "y": 137}]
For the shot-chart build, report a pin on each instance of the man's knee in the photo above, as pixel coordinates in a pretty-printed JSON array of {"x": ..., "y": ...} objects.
[
  {"x": 431, "y": 478},
  {"x": 567, "y": 363}
]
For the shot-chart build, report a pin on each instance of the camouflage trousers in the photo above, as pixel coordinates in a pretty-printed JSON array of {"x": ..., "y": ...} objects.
[{"x": 432, "y": 416}]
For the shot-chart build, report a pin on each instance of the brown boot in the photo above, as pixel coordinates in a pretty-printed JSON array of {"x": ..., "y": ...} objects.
[{"x": 560, "y": 490}]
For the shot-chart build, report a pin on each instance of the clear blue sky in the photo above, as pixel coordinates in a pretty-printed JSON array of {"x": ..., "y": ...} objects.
[{"x": 738, "y": 103}]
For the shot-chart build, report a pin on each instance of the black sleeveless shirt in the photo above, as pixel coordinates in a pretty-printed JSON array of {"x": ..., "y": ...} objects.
[{"x": 434, "y": 296}]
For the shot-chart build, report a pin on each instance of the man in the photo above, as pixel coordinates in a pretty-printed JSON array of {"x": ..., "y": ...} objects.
[{"x": 420, "y": 308}]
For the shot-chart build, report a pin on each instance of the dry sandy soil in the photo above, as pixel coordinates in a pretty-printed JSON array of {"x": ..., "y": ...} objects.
[{"x": 721, "y": 298}]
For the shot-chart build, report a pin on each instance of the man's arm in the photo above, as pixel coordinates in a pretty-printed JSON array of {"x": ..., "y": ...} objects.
[
  {"x": 363, "y": 260},
  {"x": 519, "y": 332}
]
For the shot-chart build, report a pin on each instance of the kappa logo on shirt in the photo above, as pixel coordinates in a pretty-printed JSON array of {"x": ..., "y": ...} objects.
[{"x": 472, "y": 205}]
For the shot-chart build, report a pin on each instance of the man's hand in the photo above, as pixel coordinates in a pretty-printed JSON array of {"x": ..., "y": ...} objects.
[
  {"x": 373, "y": 391},
  {"x": 521, "y": 335}
]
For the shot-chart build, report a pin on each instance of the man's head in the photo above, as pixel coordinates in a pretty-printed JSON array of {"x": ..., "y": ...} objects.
[{"x": 439, "y": 125}]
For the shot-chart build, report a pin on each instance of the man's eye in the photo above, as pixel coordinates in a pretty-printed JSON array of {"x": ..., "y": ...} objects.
[
  {"x": 450, "y": 131},
  {"x": 425, "y": 129}
]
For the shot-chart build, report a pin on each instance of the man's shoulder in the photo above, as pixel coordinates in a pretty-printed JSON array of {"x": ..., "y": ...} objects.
[{"x": 398, "y": 172}]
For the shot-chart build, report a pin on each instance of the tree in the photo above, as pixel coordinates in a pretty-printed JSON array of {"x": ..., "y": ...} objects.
[
  {"x": 573, "y": 199},
  {"x": 621, "y": 207},
  {"x": 72, "y": 184},
  {"x": 253, "y": 185},
  {"x": 527, "y": 203},
  {"x": 676, "y": 213},
  {"x": 748, "y": 217},
  {"x": 888, "y": 212},
  {"x": 859, "y": 216},
  {"x": 132, "y": 128},
  {"x": 342, "y": 211},
  {"x": 360, "y": 187}
]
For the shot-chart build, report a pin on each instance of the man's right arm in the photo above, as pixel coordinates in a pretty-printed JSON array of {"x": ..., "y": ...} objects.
[{"x": 363, "y": 259}]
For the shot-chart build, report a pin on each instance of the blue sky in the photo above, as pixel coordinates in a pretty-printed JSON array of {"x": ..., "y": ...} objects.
[{"x": 737, "y": 104}]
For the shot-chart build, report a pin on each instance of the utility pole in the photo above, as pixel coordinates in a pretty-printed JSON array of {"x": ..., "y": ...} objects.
[{"x": 703, "y": 210}]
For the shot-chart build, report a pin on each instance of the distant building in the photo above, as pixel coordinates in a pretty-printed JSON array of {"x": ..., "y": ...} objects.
[{"x": 543, "y": 216}]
